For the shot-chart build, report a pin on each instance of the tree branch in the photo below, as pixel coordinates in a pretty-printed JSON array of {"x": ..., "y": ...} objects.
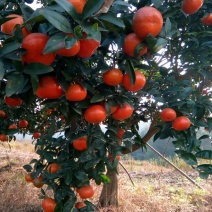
[{"x": 105, "y": 7}]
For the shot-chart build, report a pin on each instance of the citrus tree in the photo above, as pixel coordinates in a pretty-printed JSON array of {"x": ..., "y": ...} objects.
[{"x": 71, "y": 67}]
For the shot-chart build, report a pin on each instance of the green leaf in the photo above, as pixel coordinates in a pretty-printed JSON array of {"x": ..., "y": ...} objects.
[
  {"x": 131, "y": 72},
  {"x": 168, "y": 26},
  {"x": 91, "y": 7},
  {"x": 69, "y": 204},
  {"x": 10, "y": 47},
  {"x": 82, "y": 176},
  {"x": 2, "y": 71},
  {"x": 188, "y": 157},
  {"x": 55, "y": 43},
  {"x": 204, "y": 154},
  {"x": 28, "y": 168},
  {"x": 97, "y": 98},
  {"x": 34, "y": 82},
  {"x": 161, "y": 43},
  {"x": 112, "y": 19},
  {"x": 15, "y": 83},
  {"x": 57, "y": 20},
  {"x": 69, "y": 8},
  {"x": 157, "y": 3},
  {"x": 138, "y": 48},
  {"x": 37, "y": 68},
  {"x": 205, "y": 168},
  {"x": 151, "y": 41}
]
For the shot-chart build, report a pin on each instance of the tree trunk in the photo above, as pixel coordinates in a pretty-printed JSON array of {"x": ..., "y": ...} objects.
[{"x": 109, "y": 194}]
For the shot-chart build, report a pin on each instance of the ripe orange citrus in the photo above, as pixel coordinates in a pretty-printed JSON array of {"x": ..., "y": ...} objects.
[
  {"x": 12, "y": 126},
  {"x": 76, "y": 92},
  {"x": 123, "y": 112},
  {"x": 9, "y": 26},
  {"x": 130, "y": 43},
  {"x": 80, "y": 144},
  {"x": 168, "y": 114},
  {"x": 113, "y": 77},
  {"x": 87, "y": 47},
  {"x": 53, "y": 168},
  {"x": 23, "y": 123},
  {"x": 38, "y": 182},
  {"x": 34, "y": 44},
  {"x": 48, "y": 204},
  {"x": 120, "y": 133},
  {"x": 95, "y": 114},
  {"x": 3, "y": 114},
  {"x": 78, "y": 4},
  {"x": 140, "y": 82},
  {"x": 147, "y": 20},
  {"x": 28, "y": 177},
  {"x": 181, "y": 123},
  {"x": 79, "y": 205},
  {"x": 207, "y": 20},
  {"x": 49, "y": 88},
  {"x": 13, "y": 102},
  {"x": 86, "y": 192},
  {"x": 3, "y": 137},
  {"x": 36, "y": 135},
  {"x": 190, "y": 7},
  {"x": 69, "y": 52}
]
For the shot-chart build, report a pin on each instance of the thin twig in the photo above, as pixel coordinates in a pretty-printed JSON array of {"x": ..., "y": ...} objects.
[
  {"x": 183, "y": 173},
  {"x": 127, "y": 173}
]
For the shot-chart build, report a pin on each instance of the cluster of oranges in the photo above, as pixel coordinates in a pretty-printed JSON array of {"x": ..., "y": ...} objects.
[
  {"x": 48, "y": 203},
  {"x": 178, "y": 123},
  {"x": 146, "y": 20},
  {"x": 189, "y": 7}
]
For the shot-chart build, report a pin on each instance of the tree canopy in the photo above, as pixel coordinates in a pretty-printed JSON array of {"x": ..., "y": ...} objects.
[{"x": 53, "y": 66}]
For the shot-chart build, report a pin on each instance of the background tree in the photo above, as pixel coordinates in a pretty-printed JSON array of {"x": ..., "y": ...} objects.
[{"x": 66, "y": 68}]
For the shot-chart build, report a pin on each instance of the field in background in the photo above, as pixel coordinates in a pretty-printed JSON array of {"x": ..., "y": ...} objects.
[{"x": 157, "y": 186}]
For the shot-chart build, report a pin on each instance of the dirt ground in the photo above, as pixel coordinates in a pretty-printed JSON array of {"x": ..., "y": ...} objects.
[{"x": 156, "y": 188}]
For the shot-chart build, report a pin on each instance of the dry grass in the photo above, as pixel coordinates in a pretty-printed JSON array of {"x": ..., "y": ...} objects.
[{"x": 157, "y": 188}]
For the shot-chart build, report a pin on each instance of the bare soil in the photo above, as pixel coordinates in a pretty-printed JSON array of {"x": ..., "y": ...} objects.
[{"x": 155, "y": 189}]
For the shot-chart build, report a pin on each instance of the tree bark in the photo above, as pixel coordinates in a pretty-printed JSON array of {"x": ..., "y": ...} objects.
[{"x": 109, "y": 194}]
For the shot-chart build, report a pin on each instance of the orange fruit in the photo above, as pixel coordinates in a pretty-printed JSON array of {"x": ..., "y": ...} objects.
[
  {"x": 147, "y": 20},
  {"x": 34, "y": 44},
  {"x": 86, "y": 192},
  {"x": 207, "y": 20},
  {"x": 78, "y": 4},
  {"x": 95, "y": 114},
  {"x": 38, "y": 182},
  {"x": 87, "y": 47},
  {"x": 130, "y": 43},
  {"x": 181, "y": 123},
  {"x": 71, "y": 51},
  {"x": 3, "y": 137},
  {"x": 76, "y": 92},
  {"x": 36, "y": 135},
  {"x": 113, "y": 77},
  {"x": 79, "y": 205},
  {"x": 190, "y": 7},
  {"x": 28, "y": 177},
  {"x": 23, "y": 123},
  {"x": 9, "y": 26},
  {"x": 12, "y": 126},
  {"x": 80, "y": 144},
  {"x": 3, "y": 114},
  {"x": 48, "y": 204},
  {"x": 140, "y": 82},
  {"x": 49, "y": 88},
  {"x": 123, "y": 112},
  {"x": 120, "y": 133},
  {"x": 13, "y": 102},
  {"x": 53, "y": 168},
  {"x": 168, "y": 114}
]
